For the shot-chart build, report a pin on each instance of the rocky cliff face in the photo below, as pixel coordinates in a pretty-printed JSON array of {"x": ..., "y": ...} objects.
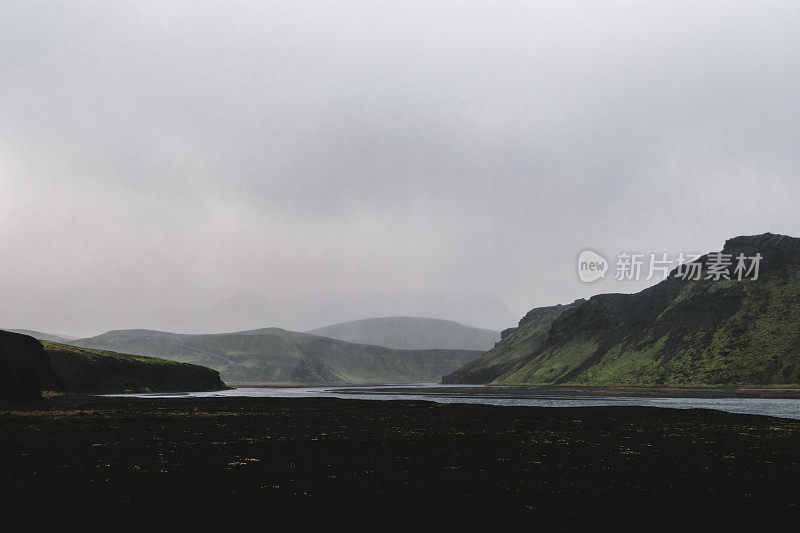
[
  {"x": 678, "y": 332},
  {"x": 24, "y": 368}
]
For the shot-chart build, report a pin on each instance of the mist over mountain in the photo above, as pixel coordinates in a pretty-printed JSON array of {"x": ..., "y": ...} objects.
[
  {"x": 285, "y": 148},
  {"x": 244, "y": 311},
  {"x": 42, "y": 336},
  {"x": 411, "y": 333}
]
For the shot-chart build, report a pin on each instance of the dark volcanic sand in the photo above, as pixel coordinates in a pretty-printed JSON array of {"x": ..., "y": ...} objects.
[{"x": 327, "y": 460}]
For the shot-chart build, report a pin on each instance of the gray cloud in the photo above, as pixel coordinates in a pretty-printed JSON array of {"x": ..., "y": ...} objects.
[{"x": 171, "y": 155}]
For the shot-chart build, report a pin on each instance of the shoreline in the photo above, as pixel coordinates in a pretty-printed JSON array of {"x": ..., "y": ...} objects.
[{"x": 535, "y": 391}]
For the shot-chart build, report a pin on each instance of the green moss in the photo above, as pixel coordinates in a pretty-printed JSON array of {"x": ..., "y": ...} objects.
[
  {"x": 100, "y": 371},
  {"x": 92, "y": 354},
  {"x": 553, "y": 365},
  {"x": 511, "y": 351},
  {"x": 626, "y": 366}
]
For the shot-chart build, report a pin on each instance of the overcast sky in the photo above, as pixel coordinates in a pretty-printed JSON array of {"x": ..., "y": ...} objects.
[{"x": 174, "y": 153}]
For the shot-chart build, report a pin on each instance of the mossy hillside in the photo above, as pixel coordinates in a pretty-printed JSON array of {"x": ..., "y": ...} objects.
[
  {"x": 678, "y": 332},
  {"x": 101, "y": 371},
  {"x": 104, "y": 355},
  {"x": 755, "y": 340},
  {"x": 553, "y": 364},
  {"x": 510, "y": 352}
]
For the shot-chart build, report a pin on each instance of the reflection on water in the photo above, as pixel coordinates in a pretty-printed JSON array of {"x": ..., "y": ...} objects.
[{"x": 784, "y": 408}]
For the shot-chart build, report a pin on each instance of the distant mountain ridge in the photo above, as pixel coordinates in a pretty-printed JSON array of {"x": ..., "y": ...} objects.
[
  {"x": 277, "y": 355},
  {"x": 249, "y": 311},
  {"x": 411, "y": 333},
  {"x": 676, "y": 333}
]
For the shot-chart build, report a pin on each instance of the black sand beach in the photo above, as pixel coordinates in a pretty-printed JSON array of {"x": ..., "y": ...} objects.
[{"x": 328, "y": 460}]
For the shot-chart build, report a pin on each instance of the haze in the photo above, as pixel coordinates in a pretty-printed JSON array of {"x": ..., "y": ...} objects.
[{"x": 173, "y": 154}]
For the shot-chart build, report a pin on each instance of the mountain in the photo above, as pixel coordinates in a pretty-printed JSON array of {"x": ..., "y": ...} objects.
[
  {"x": 676, "y": 333},
  {"x": 43, "y": 336},
  {"x": 94, "y": 371},
  {"x": 408, "y": 333},
  {"x": 275, "y": 355},
  {"x": 249, "y": 311}
]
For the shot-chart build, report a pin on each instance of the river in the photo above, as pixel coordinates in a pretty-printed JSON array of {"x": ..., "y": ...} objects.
[{"x": 778, "y": 407}]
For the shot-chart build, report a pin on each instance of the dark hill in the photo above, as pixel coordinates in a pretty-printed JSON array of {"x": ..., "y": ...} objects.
[{"x": 24, "y": 368}]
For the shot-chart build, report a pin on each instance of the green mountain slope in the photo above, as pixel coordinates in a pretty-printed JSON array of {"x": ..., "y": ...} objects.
[
  {"x": 96, "y": 371},
  {"x": 274, "y": 354},
  {"x": 28, "y": 366},
  {"x": 676, "y": 333},
  {"x": 525, "y": 338},
  {"x": 411, "y": 333}
]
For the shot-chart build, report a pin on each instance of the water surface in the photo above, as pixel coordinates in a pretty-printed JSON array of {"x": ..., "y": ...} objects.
[{"x": 779, "y": 407}]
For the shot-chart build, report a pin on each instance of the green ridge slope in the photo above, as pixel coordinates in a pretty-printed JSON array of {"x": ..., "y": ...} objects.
[
  {"x": 97, "y": 371},
  {"x": 676, "y": 333},
  {"x": 525, "y": 338}
]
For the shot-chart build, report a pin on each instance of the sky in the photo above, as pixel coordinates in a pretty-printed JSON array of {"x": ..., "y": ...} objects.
[{"x": 172, "y": 154}]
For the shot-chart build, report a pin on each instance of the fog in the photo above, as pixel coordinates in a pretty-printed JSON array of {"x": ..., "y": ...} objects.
[{"x": 172, "y": 154}]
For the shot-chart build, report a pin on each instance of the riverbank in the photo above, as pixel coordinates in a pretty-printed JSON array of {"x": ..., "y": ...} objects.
[
  {"x": 324, "y": 460},
  {"x": 584, "y": 391},
  {"x": 529, "y": 391}
]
